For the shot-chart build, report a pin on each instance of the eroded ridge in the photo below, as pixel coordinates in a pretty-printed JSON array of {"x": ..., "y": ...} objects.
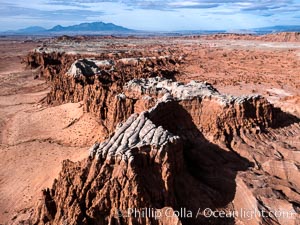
[
  {"x": 215, "y": 114},
  {"x": 92, "y": 67},
  {"x": 158, "y": 86},
  {"x": 173, "y": 154},
  {"x": 139, "y": 154},
  {"x": 97, "y": 80}
]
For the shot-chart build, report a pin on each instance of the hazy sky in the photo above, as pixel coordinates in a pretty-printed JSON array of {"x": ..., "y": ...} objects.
[{"x": 153, "y": 15}]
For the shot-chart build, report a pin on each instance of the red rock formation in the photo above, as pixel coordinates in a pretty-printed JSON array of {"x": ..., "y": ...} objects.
[
  {"x": 177, "y": 147},
  {"x": 277, "y": 37},
  {"x": 162, "y": 161},
  {"x": 73, "y": 80}
]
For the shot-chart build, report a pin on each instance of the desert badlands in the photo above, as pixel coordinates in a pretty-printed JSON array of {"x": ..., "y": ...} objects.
[{"x": 150, "y": 130}]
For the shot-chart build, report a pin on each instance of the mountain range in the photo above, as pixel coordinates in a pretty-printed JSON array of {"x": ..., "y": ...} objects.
[
  {"x": 84, "y": 28},
  {"x": 276, "y": 29},
  {"x": 110, "y": 28}
]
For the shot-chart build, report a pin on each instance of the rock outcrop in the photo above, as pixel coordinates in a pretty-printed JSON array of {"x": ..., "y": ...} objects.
[
  {"x": 172, "y": 149},
  {"x": 276, "y": 37},
  {"x": 140, "y": 167},
  {"x": 97, "y": 81},
  {"x": 166, "y": 159}
]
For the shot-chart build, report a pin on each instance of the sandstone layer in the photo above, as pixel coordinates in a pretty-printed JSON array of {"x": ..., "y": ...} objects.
[
  {"x": 276, "y": 37},
  {"x": 97, "y": 82},
  {"x": 190, "y": 140}
]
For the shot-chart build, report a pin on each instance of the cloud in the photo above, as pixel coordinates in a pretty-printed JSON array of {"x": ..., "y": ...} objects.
[
  {"x": 131, "y": 12},
  {"x": 250, "y": 6},
  {"x": 266, "y": 7},
  {"x": 69, "y": 3},
  {"x": 192, "y": 5},
  {"x": 57, "y": 15}
]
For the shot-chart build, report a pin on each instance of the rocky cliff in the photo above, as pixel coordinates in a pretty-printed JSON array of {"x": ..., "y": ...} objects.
[
  {"x": 172, "y": 149},
  {"x": 276, "y": 37},
  {"x": 164, "y": 164},
  {"x": 97, "y": 81}
]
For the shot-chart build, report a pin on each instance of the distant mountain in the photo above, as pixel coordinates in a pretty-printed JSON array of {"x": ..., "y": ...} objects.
[
  {"x": 90, "y": 27},
  {"x": 110, "y": 28},
  {"x": 33, "y": 29},
  {"x": 262, "y": 30},
  {"x": 276, "y": 29},
  {"x": 25, "y": 31},
  {"x": 258, "y": 31},
  {"x": 83, "y": 28},
  {"x": 194, "y": 32}
]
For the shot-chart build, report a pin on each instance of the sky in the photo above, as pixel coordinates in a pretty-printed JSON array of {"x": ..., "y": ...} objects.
[{"x": 155, "y": 15}]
